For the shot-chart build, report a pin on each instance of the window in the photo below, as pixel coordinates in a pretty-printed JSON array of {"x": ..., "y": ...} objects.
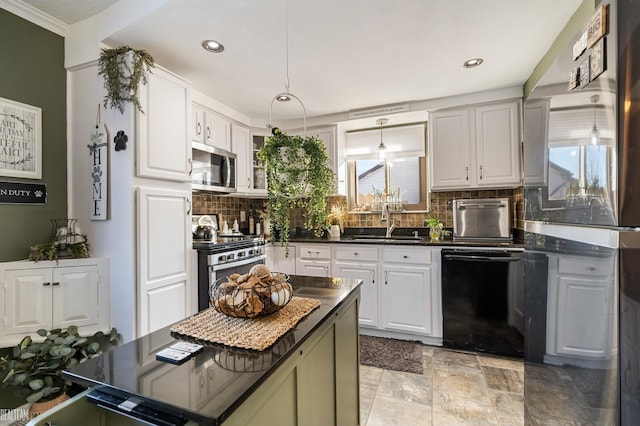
[{"x": 399, "y": 179}]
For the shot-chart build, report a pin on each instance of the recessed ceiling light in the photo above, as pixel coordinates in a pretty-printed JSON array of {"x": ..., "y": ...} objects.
[
  {"x": 284, "y": 97},
  {"x": 212, "y": 46},
  {"x": 470, "y": 63}
]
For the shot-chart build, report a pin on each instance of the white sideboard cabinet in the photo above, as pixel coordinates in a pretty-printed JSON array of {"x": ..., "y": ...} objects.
[{"x": 48, "y": 295}]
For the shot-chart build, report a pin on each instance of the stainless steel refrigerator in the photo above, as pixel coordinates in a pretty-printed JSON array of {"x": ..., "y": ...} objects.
[{"x": 582, "y": 227}]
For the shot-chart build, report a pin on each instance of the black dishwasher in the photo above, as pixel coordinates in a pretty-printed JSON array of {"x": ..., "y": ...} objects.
[{"x": 483, "y": 300}]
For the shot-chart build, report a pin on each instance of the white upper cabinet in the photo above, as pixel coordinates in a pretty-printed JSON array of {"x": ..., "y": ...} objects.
[
  {"x": 450, "y": 149},
  {"x": 251, "y": 177},
  {"x": 536, "y": 131},
  {"x": 210, "y": 128},
  {"x": 163, "y": 147},
  {"x": 475, "y": 147},
  {"x": 497, "y": 145}
]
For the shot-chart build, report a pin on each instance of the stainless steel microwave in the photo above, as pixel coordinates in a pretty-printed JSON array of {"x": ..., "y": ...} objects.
[{"x": 214, "y": 169}]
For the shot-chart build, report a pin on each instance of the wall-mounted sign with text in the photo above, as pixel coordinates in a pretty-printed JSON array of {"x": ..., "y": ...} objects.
[{"x": 23, "y": 193}]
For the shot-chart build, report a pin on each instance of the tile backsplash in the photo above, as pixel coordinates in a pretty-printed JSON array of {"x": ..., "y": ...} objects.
[{"x": 229, "y": 208}]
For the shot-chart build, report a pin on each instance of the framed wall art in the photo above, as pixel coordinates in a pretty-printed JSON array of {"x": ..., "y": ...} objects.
[{"x": 20, "y": 140}]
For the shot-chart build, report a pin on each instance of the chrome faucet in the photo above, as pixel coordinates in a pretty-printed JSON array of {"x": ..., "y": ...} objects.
[{"x": 385, "y": 215}]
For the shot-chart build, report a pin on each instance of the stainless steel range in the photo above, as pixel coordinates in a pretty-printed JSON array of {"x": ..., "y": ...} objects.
[{"x": 220, "y": 256}]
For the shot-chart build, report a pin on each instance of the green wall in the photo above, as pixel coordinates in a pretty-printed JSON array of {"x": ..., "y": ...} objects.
[
  {"x": 32, "y": 72},
  {"x": 584, "y": 11}
]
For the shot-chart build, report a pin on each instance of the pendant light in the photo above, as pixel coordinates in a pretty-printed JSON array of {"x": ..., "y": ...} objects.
[
  {"x": 382, "y": 148},
  {"x": 286, "y": 96},
  {"x": 595, "y": 133}
]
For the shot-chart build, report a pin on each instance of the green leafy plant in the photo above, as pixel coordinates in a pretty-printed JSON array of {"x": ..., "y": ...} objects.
[
  {"x": 433, "y": 222},
  {"x": 51, "y": 250},
  {"x": 122, "y": 76},
  {"x": 298, "y": 176},
  {"x": 37, "y": 366}
]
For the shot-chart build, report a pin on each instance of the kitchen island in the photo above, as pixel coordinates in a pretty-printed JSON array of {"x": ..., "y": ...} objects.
[{"x": 308, "y": 377}]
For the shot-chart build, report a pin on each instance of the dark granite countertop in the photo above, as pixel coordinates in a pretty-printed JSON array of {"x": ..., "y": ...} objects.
[
  {"x": 403, "y": 237},
  {"x": 213, "y": 383}
]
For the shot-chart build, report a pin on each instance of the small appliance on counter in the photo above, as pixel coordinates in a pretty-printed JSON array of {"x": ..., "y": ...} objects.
[
  {"x": 482, "y": 219},
  {"x": 204, "y": 228}
]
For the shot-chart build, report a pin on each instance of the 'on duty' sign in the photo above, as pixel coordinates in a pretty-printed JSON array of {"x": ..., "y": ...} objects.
[{"x": 23, "y": 193}]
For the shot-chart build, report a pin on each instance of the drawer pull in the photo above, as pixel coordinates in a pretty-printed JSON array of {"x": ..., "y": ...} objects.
[
  {"x": 355, "y": 253},
  {"x": 46, "y": 284},
  {"x": 591, "y": 268},
  {"x": 405, "y": 257},
  {"x": 55, "y": 283}
]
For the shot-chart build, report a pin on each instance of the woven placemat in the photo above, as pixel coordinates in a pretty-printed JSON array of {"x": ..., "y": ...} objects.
[{"x": 249, "y": 333}]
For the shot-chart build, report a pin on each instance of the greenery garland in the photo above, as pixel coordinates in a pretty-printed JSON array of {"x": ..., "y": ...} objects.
[
  {"x": 298, "y": 175},
  {"x": 122, "y": 79}
]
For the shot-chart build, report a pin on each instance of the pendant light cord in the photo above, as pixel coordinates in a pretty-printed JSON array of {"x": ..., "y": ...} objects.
[
  {"x": 287, "y": 93},
  {"x": 286, "y": 43}
]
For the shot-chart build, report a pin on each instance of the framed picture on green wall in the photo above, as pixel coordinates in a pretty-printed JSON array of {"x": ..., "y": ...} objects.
[{"x": 20, "y": 140}]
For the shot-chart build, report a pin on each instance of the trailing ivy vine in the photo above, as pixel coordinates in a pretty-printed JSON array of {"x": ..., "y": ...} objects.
[
  {"x": 298, "y": 175},
  {"x": 122, "y": 77}
]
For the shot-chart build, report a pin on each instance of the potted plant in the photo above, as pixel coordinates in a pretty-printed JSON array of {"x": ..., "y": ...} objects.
[
  {"x": 435, "y": 227},
  {"x": 298, "y": 176},
  {"x": 337, "y": 220},
  {"x": 36, "y": 367},
  {"x": 123, "y": 68},
  {"x": 78, "y": 247}
]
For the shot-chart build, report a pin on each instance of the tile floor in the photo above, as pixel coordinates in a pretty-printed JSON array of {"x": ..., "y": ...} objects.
[{"x": 455, "y": 389}]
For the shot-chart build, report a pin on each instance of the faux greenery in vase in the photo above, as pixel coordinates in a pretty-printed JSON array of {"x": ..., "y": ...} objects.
[
  {"x": 298, "y": 176},
  {"x": 37, "y": 367},
  {"x": 123, "y": 69}
]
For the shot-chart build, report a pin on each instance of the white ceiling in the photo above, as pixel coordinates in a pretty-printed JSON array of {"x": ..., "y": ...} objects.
[{"x": 343, "y": 54}]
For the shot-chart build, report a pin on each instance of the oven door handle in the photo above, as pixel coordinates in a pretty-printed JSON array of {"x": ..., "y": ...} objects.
[
  {"x": 478, "y": 258},
  {"x": 234, "y": 263}
]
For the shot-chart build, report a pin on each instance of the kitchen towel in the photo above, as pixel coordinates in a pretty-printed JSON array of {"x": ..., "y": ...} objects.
[{"x": 249, "y": 333}]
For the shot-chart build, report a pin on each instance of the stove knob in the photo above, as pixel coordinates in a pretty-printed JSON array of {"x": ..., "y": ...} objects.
[
  {"x": 242, "y": 254},
  {"x": 230, "y": 257},
  {"x": 222, "y": 258},
  {"x": 252, "y": 252}
]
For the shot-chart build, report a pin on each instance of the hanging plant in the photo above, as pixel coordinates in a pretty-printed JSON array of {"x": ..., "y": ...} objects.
[
  {"x": 123, "y": 74},
  {"x": 298, "y": 175}
]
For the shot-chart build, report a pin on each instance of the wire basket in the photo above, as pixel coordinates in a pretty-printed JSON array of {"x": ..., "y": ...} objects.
[{"x": 249, "y": 295}]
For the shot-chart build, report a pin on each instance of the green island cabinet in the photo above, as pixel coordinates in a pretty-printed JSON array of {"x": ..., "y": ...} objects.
[{"x": 317, "y": 383}]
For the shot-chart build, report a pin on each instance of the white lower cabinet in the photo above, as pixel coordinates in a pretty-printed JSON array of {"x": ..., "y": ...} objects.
[
  {"x": 406, "y": 290},
  {"x": 360, "y": 262},
  {"x": 48, "y": 295},
  {"x": 313, "y": 260},
  {"x": 581, "y": 314},
  {"x": 400, "y": 294},
  {"x": 164, "y": 239},
  {"x": 277, "y": 259}
]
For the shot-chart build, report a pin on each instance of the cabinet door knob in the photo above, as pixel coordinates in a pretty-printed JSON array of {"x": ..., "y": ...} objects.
[
  {"x": 55, "y": 283},
  {"x": 46, "y": 284},
  {"x": 466, "y": 169},
  {"x": 198, "y": 128},
  {"x": 190, "y": 166},
  {"x": 480, "y": 172},
  {"x": 208, "y": 132}
]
